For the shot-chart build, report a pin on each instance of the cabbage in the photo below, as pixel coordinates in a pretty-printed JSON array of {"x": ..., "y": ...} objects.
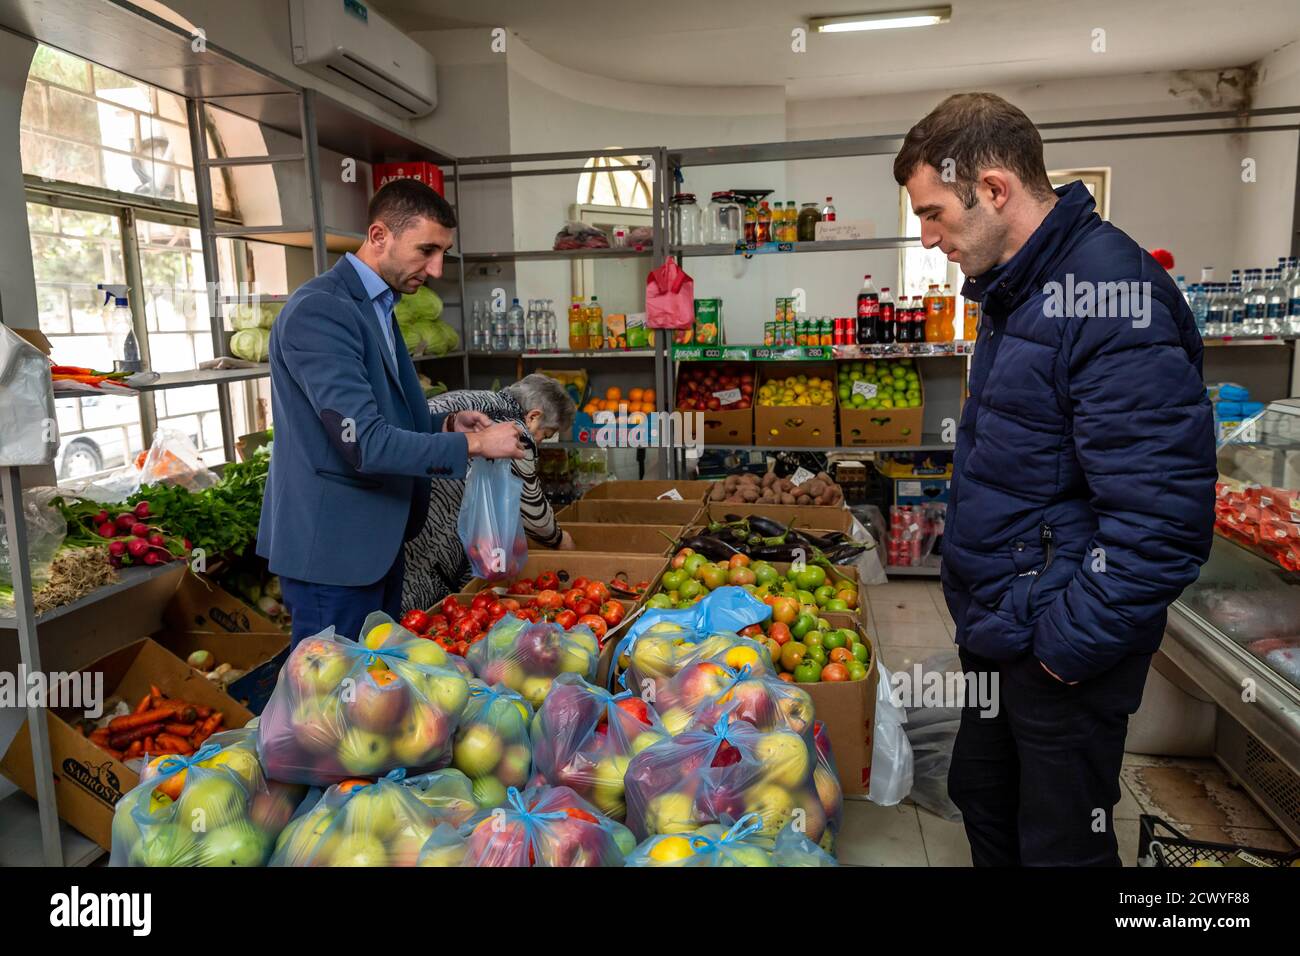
[
  {"x": 413, "y": 337},
  {"x": 251, "y": 344},
  {"x": 268, "y": 313},
  {"x": 244, "y": 316},
  {"x": 442, "y": 338},
  {"x": 423, "y": 304}
]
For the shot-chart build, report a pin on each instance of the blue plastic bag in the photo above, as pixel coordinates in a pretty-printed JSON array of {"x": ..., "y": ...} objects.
[
  {"x": 489, "y": 525},
  {"x": 726, "y": 610}
]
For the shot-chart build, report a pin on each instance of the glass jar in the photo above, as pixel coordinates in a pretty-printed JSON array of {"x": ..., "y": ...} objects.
[
  {"x": 723, "y": 219},
  {"x": 684, "y": 221},
  {"x": 809, "y": 216}
]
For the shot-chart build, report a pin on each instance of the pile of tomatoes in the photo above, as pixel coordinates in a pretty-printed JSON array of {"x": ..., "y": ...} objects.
[{"x": 454, "y": 626}]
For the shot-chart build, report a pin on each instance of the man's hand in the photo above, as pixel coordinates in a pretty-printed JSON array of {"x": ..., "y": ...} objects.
[
  {"x": 502, "y": 440},
  {"x": 1070, "y": 683},
  {"x": 566, "y": 541},
  {"x": 467, "y": 421}
]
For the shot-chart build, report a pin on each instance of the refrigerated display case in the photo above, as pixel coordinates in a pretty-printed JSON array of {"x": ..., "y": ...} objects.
[{"x": 1236, "y": 630}]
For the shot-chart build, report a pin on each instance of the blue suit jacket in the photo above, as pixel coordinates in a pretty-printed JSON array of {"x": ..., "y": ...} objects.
[{"x": 355, "y": 446}]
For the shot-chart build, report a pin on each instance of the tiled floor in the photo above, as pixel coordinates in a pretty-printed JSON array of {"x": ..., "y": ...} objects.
[{"x": 910, "y": 623}]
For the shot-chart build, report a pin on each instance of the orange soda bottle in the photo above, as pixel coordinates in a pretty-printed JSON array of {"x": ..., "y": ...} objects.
[
  {"x": 947, "y": 331},
  {"x": 970, "y": 320},
  {"x": 933, "y": 313}
]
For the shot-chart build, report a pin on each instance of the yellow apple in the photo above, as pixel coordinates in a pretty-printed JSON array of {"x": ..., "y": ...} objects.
[
  {"x": 671, "y": 812},
  {"x": 425, "y": 652},
  {"x": 675, "y": 720},
  {"x": 378, "y": 635},
  {"x": 784, "y": 758},
  {"x": 773, "y": 803},
  {"x": 240, "y": 761},
  {"x": 535, "y": 689}
]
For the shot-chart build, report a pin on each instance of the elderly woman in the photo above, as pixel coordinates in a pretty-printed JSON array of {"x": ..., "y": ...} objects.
[{"x": 436, "y": 564}]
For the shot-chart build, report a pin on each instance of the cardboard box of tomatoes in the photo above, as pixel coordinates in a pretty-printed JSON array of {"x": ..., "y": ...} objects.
[{"x": 622, "y": 572}]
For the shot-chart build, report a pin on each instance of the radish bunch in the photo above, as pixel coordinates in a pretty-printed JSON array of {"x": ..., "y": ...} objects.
[{"x": 134, "y": 541}]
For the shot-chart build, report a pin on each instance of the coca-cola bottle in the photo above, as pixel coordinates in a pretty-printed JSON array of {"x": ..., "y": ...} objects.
[
  {"x": 903, "y": 320},
  {"x": 886, "y": 324},
  {"x": 918, "y": 319},
  {"x": 868, "y": 312}
]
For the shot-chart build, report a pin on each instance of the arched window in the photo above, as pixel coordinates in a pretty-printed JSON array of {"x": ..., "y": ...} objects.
[{"x": 614, "y": 181}]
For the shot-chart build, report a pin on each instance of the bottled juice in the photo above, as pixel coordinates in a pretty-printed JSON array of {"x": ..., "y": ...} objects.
[
  {"x": 763, "y": 231},
  {"x": 933, "y": 313},
  {"x": 577, "y": 326},
  {"x": 595, "y": 325},
  {"x": 948, "y": 328},
  {"x": 791, "y": 223},
  {"x": 751, "y": 223},
  {"x": 970, "y": 320}
]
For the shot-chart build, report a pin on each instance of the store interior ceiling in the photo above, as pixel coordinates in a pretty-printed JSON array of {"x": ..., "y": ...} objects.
[{"x": 986, "y": 42}]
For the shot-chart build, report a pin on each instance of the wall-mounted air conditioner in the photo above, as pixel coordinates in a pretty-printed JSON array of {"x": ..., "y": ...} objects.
[{"x": 349, "y": 44}]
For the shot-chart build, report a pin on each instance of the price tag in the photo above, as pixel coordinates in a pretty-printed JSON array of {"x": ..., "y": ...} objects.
[
  {"x": 800, "y": 476},
  {"x": 729, "y": 397},
  {"x": 671, "y": 494},
  {"x": 865, "y": 389}
]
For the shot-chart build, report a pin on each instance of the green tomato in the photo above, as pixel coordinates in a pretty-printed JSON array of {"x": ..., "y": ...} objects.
[
  {"x": 802, "y": 625},
  {"x": 836, "y": 604},
  {"x": 806, "y": 598},
  {"x": 693, "y": 563},
  {"x": 689, "y": 588},
  {"x": 810, "y": 577},
  {"x": 807, "y": 672},
  {"x": 824, "y": 594},
  {"x": 833, "y": 639},
  {"x": 818, "y": 653},
  {"x": 712, "y": 576},
  {"x": 861, "y": 653},
  {"x": 764, "y": 574},
  {"x": 856, "y": 671},
  {"x": 672, "y": 580},
  {"x": 659, "y": 600}
]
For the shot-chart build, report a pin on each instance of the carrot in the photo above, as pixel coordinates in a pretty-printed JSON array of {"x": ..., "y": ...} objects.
[
  {"x": 115, "y": 754},
  {"x": 134, "y": 749},
  {"x": 140, "y": 733},
  {"x": 180, "y": 730},
  {"x": 99, "y": 736},
  {"x": 155, "y": 692},
  {"x": 83, "y": 379},
  {"x": 172, "y": 744},
  {"x": 124, "y": 723},
  {"x": 149, "y": 746},
  {"x": 70, "y": 370}
]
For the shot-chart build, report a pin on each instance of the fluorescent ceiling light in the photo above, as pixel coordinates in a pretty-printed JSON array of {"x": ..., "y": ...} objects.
[{"x": 884, "y": 20}]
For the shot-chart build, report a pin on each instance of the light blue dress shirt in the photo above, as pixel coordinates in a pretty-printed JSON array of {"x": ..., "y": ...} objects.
[{"x": 382, "y": 297}]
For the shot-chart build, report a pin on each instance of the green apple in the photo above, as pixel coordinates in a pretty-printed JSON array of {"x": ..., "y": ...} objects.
[
  {"x": 750, "y": 856},
  {"x": 448, "y": 691},
  {"x": 452, "y": 854},
  {"x": 575, "y": 660},
  {"x": 624, "y": 839},
  {"x": 675, "y": 720},
  {"x": 364, "y": 753},
  {"x": 586, "y": 641},
  {"x": 236, "y": 844},
  {"x": 379, "y": 811},
  {"x": 647, "y": 738},
  {"x": 508, "y": 716},
  {"x": 516, "y": 764},
  {"x": 210, "y": 801},
  {"x": 298, "y": 842},
  {"x": 240, "y": 761},
  {"x": 316, "y": 667},
  {"x": 653, "y": 656},
  {"x": 784, "y": 758},
  {"x": 489, "y": 792},
  {"x": 404, "y": 846},
  {"x": 359, "y": 849},
  {"x": 607, "y": 789},
  {"x": 168, "y": 844},
  {"x": 670, "y": 812},
  {"x": 425, "y": 652},
  {"x": 535, "y": 689},
  {"x": 477, "y": 751}
]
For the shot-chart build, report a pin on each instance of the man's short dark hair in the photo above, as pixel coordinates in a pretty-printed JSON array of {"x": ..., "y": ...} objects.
[
  {"x": 400, "y": 202},
  {"x": 969, "y": 132}
]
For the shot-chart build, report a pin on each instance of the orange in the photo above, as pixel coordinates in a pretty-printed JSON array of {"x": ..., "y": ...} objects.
[
  {"x": 591, "y": 407},
  {"x": 634, "y": 394},
  {"x": 613, "y": 393},
  {"x": 648, "y": 397}
]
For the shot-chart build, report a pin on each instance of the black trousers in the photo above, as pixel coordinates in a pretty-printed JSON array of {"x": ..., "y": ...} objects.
[{"x": 1037, "y": 782}]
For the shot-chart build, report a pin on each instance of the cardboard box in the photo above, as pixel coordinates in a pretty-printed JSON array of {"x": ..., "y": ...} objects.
[
  {"x": 624, "y": 539},
  {"x": 827, "y": 518},
  {"x": 864, "y": 427},
  {"x": 427, "y": 173},
  {"x": 848, "y": 712},
  {"x": 88, "y": 781},
  {"x": 809, "y": 426},
  {"x": 650, "y": 489},
  {"x": 202, "y": 615},
  {"x": 602, "y": 566},
  {"x": 629, "y": 511},
  {"x": 921, "y": 491},
  {"x": 914, "y": 464},
  {"x": 728, "y": 429}
]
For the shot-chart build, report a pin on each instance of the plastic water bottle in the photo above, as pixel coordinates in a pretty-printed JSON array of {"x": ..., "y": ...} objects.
[
  {"x": 1256, "y": 301},
  {"x": 552, "y": 340},
  {"x": 476, "y": 329},
  {"x": 1216, "y": 311},
  {"x": 1293, "y": 296},
  {"x": 500, "y": 339},
  {"x": 1236, "y": 309},
  {"x": 1278, "y": 295},
  {"x": 515, "y": 327},
  {"x": 1196, "y": 302}
]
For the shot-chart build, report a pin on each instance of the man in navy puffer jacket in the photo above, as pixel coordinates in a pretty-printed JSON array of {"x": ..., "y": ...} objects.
[{"x": 1082, "y": 500}]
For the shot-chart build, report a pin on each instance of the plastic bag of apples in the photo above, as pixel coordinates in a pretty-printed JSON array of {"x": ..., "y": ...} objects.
[
  {"x": 366, "y": 823},
  {"x": 492, "y": 745},
  {"x": 527, "y": 656},
  {"x": 585, "y": 737},
  {"x": 345, "y": 709},
  {"x": 706, "y": 774},
  {"x": 740, "y": 844},
  {"x": 216, "y": 807},
  {"x": 540, "y": 826}
]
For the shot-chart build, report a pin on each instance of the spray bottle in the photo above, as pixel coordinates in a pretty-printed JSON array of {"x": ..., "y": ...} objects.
[{"x": 122, "y": 328}]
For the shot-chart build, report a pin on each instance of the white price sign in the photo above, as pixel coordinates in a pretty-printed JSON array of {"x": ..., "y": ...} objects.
[
  {"x": 865, "y": 389},
  {"x": 672, "y": 494},
  {"x": 729, "y": 397},
  {"x": 800, "y": 476}
]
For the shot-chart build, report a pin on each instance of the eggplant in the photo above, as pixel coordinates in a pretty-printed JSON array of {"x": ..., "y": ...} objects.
[
  {"x": 845, "y": 554},
  {"x": 767, "y": 527},
  {"x": 777, "y": 552},
  {"x": 711, "y": 548}
]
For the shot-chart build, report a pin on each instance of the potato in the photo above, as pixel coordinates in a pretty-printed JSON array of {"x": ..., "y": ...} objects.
[
  {"x": 749, "y": 495},
  {"x": 815, "y": 487},
  {"x": 717, "y": 493},
  {"x": 826, "y": 498},
  {"x": 822, "y": 476},
  {"x": 803, "y": 500},
  {"x": 787, "y": 498},
  {"x": 769, "y": 479}
]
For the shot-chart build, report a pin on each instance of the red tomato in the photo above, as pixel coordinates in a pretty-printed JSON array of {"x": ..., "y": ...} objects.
[
  {"x": 579, "y": 584},
  {"x": 548, "y": 579},
  {"x": 584, "y": 607},
  {"x": 416, "y": 620},
  {"x": 496, "y": 611},
  {"x": 510, "y": 604},
  {"x": 597, "y": 592},
  {"x": 572, "y": 597},
  {"x": 779, "y": 632},
  {"x": 835, "y": 672},
  {"x": 612, "y": 612},
  {"x": 754, "y": 630},
  {"x": 483, "y": 599},
  {"x": 479, "y": 616},
  {"x": 450, "y": 606},
  {"x": 524, "y": 586},
  {"x": 550, "y": 598},
  {"x": 466, "y": 628},
  {"x": 438, "y": 620},
  {"x": 596, "y": 623},
  {"x": 566, "y": 619},
  {"x": 462, "y": 647}
]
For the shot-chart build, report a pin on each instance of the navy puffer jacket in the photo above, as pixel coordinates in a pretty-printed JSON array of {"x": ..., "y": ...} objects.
[{"x": 1082, "y": 500}]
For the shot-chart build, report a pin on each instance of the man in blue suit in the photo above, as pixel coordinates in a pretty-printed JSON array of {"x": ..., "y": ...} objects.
[{"x": 355, "y": 445}]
